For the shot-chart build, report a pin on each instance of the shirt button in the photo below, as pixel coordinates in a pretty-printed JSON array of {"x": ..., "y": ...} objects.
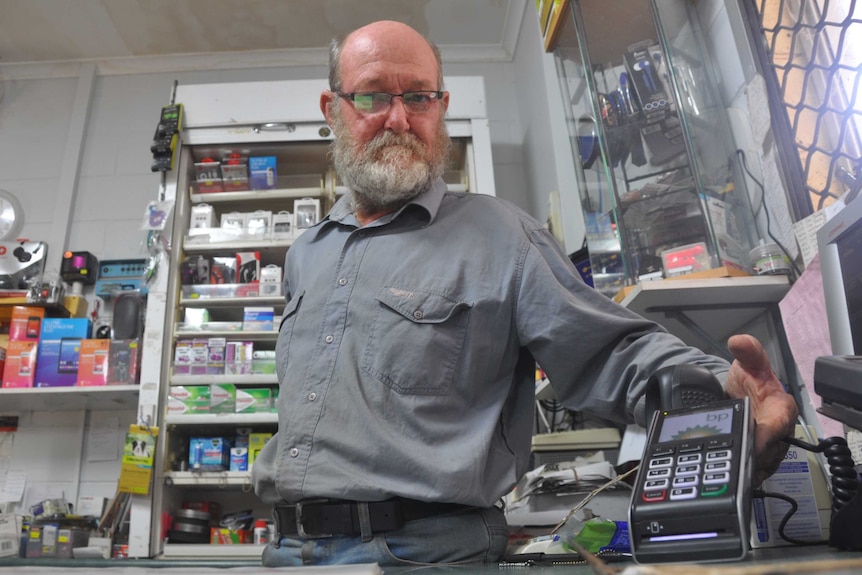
[
  {"x": 329, "y": 339},
  {"x": 342, "y": 281},
  {"x": 418, "y": 314},
  {"x": 294, "y": 452},
  {"x": 312, "y": 396}
]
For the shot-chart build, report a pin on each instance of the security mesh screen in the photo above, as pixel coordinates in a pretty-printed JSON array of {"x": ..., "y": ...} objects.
[{"x": 815, "y": 48}]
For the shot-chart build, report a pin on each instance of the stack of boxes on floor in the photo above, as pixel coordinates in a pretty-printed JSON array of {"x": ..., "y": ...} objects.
[{"x": 59, "y": 352}]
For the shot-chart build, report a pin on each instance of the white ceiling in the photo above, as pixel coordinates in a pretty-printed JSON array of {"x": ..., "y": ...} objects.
[{"x": 125, "y": 33}]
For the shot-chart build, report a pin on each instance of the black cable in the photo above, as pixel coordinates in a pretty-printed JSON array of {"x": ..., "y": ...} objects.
[
  {"x": 762, "y": 204},
  {"x": 793, "y": 507},
  {"x": 845, "y": 483}
]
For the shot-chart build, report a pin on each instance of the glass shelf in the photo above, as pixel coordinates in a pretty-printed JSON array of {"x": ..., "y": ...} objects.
[{"x": 661, "y": 190}]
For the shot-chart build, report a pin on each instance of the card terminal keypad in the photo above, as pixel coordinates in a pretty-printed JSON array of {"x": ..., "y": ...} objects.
[{"x": 688, "y": 471}]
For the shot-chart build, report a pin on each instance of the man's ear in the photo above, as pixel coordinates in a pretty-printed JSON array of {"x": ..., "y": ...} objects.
[{"x": 326, "y": 98}]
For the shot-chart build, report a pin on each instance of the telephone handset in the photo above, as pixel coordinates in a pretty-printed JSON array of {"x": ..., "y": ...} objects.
[{"x": 692, "y": 496}]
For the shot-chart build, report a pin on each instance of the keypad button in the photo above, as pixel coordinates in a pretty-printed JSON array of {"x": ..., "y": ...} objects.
[
  {"x": 717, "y": 466},
  {"x": 716, "y": 478},
  {"x": 683, "y": 493},
  {"x": 660, "y": 462},
  {"x": 695, "y": 458},
  {"x": 656, "y": 484},
  {"x": 658, "y": 473},
  {"x": 714, "y": 490},
  {"x": 653, "y": 496},
  {"x": 685, "y": 481},
  {"x": 685, "y": 470},
  {"x": 722, "y": 455}
]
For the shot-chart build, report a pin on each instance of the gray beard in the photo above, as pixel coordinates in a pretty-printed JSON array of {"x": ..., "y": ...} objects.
[{"x": 390, "y": 170}]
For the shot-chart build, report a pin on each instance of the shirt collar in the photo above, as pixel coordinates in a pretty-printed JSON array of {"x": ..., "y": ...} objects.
[{"x": 429, "y": 201}]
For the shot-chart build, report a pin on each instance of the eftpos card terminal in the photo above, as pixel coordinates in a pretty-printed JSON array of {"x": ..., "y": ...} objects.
[{"x": 692, "y": 496}]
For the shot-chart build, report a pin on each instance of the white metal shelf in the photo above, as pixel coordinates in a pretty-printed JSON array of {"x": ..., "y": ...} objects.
[
  {"x": 208, "y": 478},
  {"x": 231, "y": 301},
  {"x": 229, "y": 334},
  {"x": 199, "y": 247},
  {"x": 198, "y": 551},
  {"x": 69, "y": 398},
  {"x": 221, "y": 418},
  {"x": 245, "y": 379},
  {"x": 256, "y": 195}
]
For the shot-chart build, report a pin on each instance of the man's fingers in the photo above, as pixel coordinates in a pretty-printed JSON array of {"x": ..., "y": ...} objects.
[{"x": 748, "y": 351}]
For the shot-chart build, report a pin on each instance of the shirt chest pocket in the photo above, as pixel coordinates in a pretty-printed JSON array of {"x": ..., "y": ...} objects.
[{"x": 415, "y": 340}]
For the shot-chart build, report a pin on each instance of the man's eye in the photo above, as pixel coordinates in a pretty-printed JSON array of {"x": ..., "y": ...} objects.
[{"x": 417, "y": 98}]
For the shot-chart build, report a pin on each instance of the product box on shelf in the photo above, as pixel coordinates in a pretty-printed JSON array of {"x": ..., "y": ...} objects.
[
  {"x": 26, "y": 323},
  {"x": 258, "y": 318},
  {"x": 306, "y": 213},
  {"x": 233, "y": 221},
  {"x": 239, "y": 458},
  {"x": 189, "y": 399},
  {"x": 263, "y": 172},
  {"x": 183, "y": 357},
  {"x": 234, "y": 173},
  {"x": 223, "y": 271},
  {"x": 124, "y": 361},
  {"x": 200, "y": 356},
  {"x": 238, "y": 357},
  {"x": 282, "y": 226},
  {"x": 202, "y": 217},
  {"x": 195, "y": 270},
  {"x": 93, "y": 365},
  {"x": 208, "y": 176},
  {"x": 222, "y": 398},
  {"x": 20, "y": 368},
  {"x": 256, "y": 441},
  {"x": 248, "y": 267},
  {"x": 60, "y": 350},
  {"x": 270, "y": 280},
  {"x": 209, "y": 453},
  {"x": 254, "y": 400},
  {"x": 215, "y": 355},
  {"x": 263, "y": 361},
  {"x": 258, "y": 224}
]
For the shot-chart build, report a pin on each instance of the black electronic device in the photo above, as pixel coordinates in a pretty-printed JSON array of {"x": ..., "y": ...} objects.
[
  {"x": 166, "y": 137},
  {"x": 128, "y": 318},
  {"x": 692, "y": 496},
  {"x": 79, "y": 267}
]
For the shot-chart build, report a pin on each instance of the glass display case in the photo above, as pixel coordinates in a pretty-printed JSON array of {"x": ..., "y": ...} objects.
[{"x": 660, "y": 185}]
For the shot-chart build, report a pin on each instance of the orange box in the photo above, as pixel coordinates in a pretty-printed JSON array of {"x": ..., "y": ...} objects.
[
  {"x": 26, "y": 323},
  {"x": 20, "y": 369},
  {"x": 93, "y": 362}
]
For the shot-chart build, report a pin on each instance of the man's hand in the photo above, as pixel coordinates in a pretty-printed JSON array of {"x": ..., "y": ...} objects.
[{"x": 774, "y": 410}]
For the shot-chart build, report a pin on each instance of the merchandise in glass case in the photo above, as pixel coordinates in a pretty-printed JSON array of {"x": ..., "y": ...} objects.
[{"x": 661, "y": 190}]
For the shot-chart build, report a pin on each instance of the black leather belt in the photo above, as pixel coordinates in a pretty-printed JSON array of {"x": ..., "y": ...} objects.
[{"x": 325, "y": 518}]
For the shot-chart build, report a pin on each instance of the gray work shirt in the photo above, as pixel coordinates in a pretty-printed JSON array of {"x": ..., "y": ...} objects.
[{"x": 407, "y": 351}]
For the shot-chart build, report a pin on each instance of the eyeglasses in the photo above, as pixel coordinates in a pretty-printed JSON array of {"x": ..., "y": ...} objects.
[{"x": 377, "y": 102}]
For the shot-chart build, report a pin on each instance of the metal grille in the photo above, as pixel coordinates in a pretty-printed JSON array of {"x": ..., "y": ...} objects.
[{"x": 815, "y": 50}]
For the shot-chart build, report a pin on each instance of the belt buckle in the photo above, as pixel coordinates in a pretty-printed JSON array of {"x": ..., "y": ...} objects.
[{"x": 299, "y": 528}]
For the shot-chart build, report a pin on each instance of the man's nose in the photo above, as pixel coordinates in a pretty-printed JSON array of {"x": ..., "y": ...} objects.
[{"x": 396, "y": 116}]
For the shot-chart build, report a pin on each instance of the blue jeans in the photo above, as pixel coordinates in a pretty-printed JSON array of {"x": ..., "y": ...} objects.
[{"x": 474, "y": 536}]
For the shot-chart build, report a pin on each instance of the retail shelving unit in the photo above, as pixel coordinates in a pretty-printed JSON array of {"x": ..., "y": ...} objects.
[{"x": 280, "y": 119}]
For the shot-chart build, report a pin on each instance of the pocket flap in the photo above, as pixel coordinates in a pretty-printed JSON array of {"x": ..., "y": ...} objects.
[{"x": 419, "y": 306}]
